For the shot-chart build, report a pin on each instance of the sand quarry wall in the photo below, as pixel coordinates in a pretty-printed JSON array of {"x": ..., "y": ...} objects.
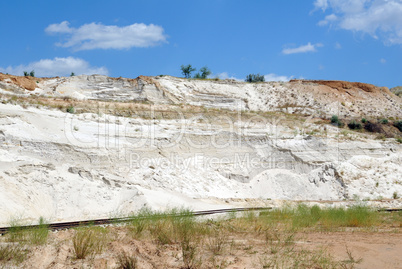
[{"x": 65, "y": 166}]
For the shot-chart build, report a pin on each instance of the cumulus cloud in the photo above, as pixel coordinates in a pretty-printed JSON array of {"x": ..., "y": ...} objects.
[
  {"x": 383, "y": 61},
  {"x": 99, "y": 36},
  {"x": 56, "y": 67},
  {"x": 302, "y": 49},
  {"x": 225, "y": 75},
  {"x": 328, "y": 19},
  {"x": 378, "y": 18},
  {"x": 60, "y": 28},
  {"x": 274, "y": 77}
]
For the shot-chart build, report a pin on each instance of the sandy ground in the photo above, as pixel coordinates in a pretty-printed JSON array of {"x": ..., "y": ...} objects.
[{"x": 377, "y": 249}]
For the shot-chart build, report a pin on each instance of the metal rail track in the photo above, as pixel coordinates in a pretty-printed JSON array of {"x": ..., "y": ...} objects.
[{"x": 74, "y": 224}]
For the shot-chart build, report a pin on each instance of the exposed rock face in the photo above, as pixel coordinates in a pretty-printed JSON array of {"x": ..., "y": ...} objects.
[
  {"x": 76, "y": 166},
  {"x": 320, "y": 98},
  {"x": 16, "y": 83}
]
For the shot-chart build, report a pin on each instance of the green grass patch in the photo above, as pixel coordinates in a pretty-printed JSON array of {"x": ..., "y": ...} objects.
[{"x": 304, "y": 216}]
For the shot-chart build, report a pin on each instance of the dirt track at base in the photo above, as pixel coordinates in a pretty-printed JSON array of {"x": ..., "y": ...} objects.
[{"x": 378, "y": 250}]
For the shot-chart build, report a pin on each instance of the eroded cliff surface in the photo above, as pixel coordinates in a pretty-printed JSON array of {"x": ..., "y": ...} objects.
[{"x": 166, "y": 142}]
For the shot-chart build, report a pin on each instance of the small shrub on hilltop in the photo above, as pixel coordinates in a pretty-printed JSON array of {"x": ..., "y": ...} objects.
[
  {"x": 186, "y": 70},
  {"x": 205, "y": 72},
  {"x": 32, "y": 73},
  {"x": 255, "y": 78},
  {"x": 364, "y": 120}
]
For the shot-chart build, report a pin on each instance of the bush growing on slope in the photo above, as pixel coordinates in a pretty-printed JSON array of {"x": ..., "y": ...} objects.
[
  {"x": 373, "y": 127},
  {"x": 354, "y": 125},
  {"x": 70, "y": 109},
  {"x": 336, "y": 121},
  {"x": 398, "y": 124},
  {"x": 383, "y": 121}
]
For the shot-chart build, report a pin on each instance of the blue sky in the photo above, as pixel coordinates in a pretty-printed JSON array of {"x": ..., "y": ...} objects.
[{"x": 353, "y": 40}]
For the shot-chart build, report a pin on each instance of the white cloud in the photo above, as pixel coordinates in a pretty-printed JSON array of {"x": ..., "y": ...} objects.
[
  {"x": 383, "y": 61},
  {"x": 322, "y": 4},
  {"x": 225, "y": 75},
  {"x": 344, "y": 6},
  {"x": 59, "y": 28},
  {"x": 302, "y": 49},
  {"x": 56, "y": 67},
  {"x": 274, "y": 77},
  {"x": 328, "y": 19},
  {"x": 378, "y": 18},
  {"x": 338, "y": 46},
  {"x": 99, "y": 36}
]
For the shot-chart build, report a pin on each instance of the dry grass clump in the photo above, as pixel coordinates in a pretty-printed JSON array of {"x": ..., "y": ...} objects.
[
  {"x": 175, "y": 226},
  {"x": 89, "y": 241},
  {"x": 126, "y": 261},
  {"x": 12, "y": 252},
  {"x": 19, "y": 240},
  {"x": 24, "y": 234}
]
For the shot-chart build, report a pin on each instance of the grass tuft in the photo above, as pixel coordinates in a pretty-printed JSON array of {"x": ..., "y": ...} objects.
[
  {"x": 39, "y": 235},
  {"x": 14, "y": 253},
  {"x": 88, "y": 241},
  {"x": 125, "y": 261}
]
